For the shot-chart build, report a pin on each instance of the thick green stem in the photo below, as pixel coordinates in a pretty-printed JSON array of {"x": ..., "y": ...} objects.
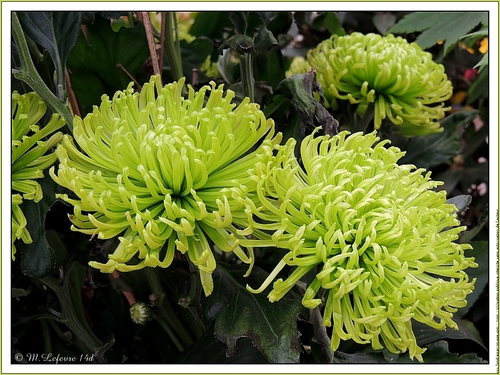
[
  {"x": 172, "y": 46},
  {"x": 247, "y": 78},
  {"x": 27, "y": 72},
  {"x": 68, "y": 317}
]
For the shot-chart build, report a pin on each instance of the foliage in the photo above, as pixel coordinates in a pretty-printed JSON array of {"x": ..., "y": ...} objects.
[{"x": 61, "y": 305}]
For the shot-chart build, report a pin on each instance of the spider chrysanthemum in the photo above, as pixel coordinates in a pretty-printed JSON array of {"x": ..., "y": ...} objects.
[
  {"x": 30, "y": 156},
  {"x": 377, "y": 236},
  {"x": 158, "y": 170},
  {"x": 402, "y": 81}
]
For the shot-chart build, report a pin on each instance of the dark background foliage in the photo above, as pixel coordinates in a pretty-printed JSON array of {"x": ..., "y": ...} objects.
[{"x": 60, "y": 305}]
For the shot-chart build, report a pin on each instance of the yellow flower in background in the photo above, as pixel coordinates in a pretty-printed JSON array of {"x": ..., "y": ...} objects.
[
  {"x": 483, "y": 47},
  {"x": 162, "y": 172},
  {"x": 30, "y": 156},
  {"x": 379, "y": 238}
]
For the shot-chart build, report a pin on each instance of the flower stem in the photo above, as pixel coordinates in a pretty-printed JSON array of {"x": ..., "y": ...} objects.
[
  {"x": 172, "y": 46},
  {"x": 367, "y": 119},
  {"x": 247, "y": 78},
  {"x": 68, "y": 316},
  {"x": 164, "y": 313},
  {"x": 28, "y": 73}
]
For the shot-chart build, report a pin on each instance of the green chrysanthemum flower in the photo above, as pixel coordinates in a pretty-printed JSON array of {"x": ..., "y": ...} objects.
[
  {"x": 299, "y": 65},
  {"x": 380, "y": 240},
  {"x": 29, "y": 158},
  {"x": 399, "y": 78},
  {"x": 163, "y": 171}
]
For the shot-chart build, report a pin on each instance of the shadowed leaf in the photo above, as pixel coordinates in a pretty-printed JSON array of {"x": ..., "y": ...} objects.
[{"x": 272, "y": 327}]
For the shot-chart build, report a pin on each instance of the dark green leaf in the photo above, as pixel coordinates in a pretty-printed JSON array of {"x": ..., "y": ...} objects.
[
  {"x": 194, "y": 54},
  {"x": 425, "y": 334},
  {"x": 210, "y": 350},
  {"x": 93, "y": 64},
  {"x": 239, "y": 20},
  {"x": 333, "y": 24},
  {"x": 57, "y": 32},
  {"x": 301, "y": 88},
  {"x": 461, "y": 202},
  {"x": 439, "y": 26},
  {"x": 281, "y": 23},
  {"x": 360, "y": 357},
  {"x": 434, "y": 149},
  {"x": 272, "y": 327},
  {"x": 468, "y": 235},
  {"x": 480, "y": 254},
  {"x": 265, "y": 41},
  {"x": 38, "y": 258},
  {"x": 210, "y": 24},
  {"x": 270, "y": 67},
  {"x": 89, "y": 17},
  {"x": 438, "y": 352}
]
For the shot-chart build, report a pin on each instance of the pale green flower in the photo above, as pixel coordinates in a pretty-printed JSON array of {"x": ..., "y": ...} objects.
[
  {"x": 29, "y": 156},
  {"x": 378, "y": 237},
  {"x": 402, "y": 81},
  {"x": 164, "y": 172},
  {"x": 299, "y": 65}
]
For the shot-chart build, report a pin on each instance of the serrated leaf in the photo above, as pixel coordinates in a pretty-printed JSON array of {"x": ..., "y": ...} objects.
[
  {"x": 439, "y": 26},
  {"x": 480, "y": 253},
  {"x": 272, "y": 327},
  {"x": 439, "y": 352},
  {"x": 93, "y": 64},
  {"x": 434, "y": 149},
  {"x": 57, "y": 32},
  {"x": 482, "y": 32},
  {"x": 461, "y": 202}
]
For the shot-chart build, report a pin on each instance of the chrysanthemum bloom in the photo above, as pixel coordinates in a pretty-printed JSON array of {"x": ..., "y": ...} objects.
[
  {"x": 140, "y": 313},
  {"x": 402, "y": 81},
  {"x": 299, "y": 65},
  {"x": 379, "y": 239},
  {"x": 29, "y": 158},
  {"x": 161, "y": 171}
]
